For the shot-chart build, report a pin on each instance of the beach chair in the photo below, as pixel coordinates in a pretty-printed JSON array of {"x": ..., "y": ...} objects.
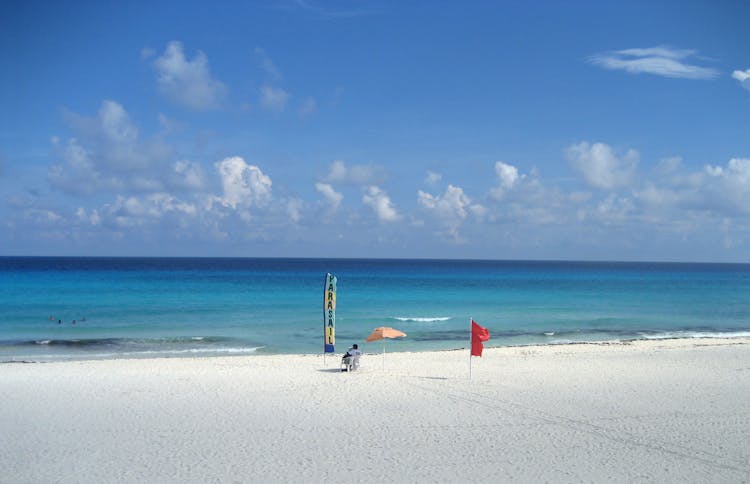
[{"x": 349, "y": 363}]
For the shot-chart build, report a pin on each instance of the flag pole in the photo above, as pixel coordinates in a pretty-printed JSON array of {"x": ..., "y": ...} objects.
[{"x": 470, "y": 329}]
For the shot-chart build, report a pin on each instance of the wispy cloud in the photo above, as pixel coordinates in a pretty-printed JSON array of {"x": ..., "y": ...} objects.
[
  {"x": 339, "y": 172},
  {"x": 147, "y": 53},
  {"x": 268, "y": 65},
  {"x": 332, "y": 10},
  {"x": 433, "y": 178},
  {"x": 308, "y": 107},
  {"x": 660, "y": 61}
]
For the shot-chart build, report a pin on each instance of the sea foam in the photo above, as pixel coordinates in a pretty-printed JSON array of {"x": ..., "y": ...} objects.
[
  {"x": 420, "y": 319},
  {"x": 697, "y": 334}
]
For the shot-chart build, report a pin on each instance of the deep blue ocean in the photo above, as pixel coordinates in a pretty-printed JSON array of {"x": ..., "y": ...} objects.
[{"x": 151, "y": 307}]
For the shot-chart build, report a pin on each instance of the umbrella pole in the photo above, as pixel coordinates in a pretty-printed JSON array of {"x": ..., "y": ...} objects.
[{"x": 383, "y": 354}]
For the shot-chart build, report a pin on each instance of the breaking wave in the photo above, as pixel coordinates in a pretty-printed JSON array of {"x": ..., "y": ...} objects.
[{"x": 421, "y": 319}]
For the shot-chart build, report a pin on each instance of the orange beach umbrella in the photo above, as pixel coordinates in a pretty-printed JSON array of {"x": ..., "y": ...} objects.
[{"x": 384, "y": 332}]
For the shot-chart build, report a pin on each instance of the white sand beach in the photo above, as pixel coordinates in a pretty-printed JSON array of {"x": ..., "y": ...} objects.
[{"x": 647, "y": 411}]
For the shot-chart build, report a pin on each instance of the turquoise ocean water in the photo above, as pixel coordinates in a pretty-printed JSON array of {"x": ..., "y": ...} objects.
[{"x": 145, "y": 307}]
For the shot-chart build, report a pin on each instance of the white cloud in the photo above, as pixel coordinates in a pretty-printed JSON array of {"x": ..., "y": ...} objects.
[
  {"x": 339, "y": 172},
  {"x": 743, "y": 77},
  {"x": 508, "y": 179},
  {"x": 479, "y": 211},
  {"x": 107, "y": 155},
  {"x": 715, "y": 191},
  {"x": 614, "y": 210},
  {"x": 273, "y": 99},
  {"x": 451, "y": 204},
  {"x": 164, "y": 202},
  {"x": 451, "y": 208},
  {"x": 601, "y": 167},
  {"x": 47, "y": 215},
  {"x": 119, "y": 134},
  {"x": 244, "y": 185},
  {"x": 508, "y": 174},
  {"x": 658, "y": 197},
  {"x": 231, "y": 198},
  {"x": 92, "y": 218},
  {"x": 433, "y": 178},
  {"x": 327, "y": 12},
  {"x": 730, "y": 185},
  {"x": 333, "y": 197},
  {"x": 381, "y": 204},
  {"x": 128, "y": 212},
  {"x": 187, "y": 82},
  {"x": 661, "y": 61},
  {"x": 187, "y": 175},
  {"x": 736, "y": 171}
]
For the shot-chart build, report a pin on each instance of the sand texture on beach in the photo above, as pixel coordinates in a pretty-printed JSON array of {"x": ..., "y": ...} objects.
[{"x": 651, "y": 411}]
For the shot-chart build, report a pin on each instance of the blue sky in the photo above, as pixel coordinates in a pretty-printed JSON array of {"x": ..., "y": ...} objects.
[{"x": 501, "y": 130}]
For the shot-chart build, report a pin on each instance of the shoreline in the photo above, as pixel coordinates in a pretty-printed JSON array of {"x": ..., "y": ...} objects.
[
  {"x": 643, "y": 411},
  {"x": 719, "y": 340}
]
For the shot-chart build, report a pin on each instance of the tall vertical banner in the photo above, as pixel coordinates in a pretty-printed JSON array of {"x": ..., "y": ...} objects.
[{"x": 329, "y": 313}]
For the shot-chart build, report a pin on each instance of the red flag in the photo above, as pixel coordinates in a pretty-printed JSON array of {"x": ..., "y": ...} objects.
[{"x": 478, "y": 335}]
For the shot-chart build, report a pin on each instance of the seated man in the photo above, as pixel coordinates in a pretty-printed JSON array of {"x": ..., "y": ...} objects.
[{"x": 351, "y": 358}]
